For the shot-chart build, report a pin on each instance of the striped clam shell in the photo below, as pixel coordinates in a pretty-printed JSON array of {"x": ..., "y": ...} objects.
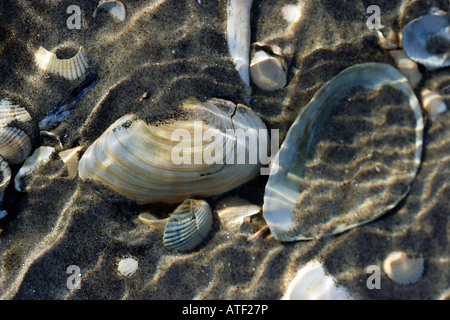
[
  {"x": 70, "y": 69},
  {"x": 403, "y": 268},
  {"x": 10, "y": 112},
  {"x": 15, "y": 145},
  {"x": 188, "y": 225}
]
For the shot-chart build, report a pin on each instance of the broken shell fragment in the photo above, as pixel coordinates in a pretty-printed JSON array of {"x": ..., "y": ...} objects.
[
  {"x": 152, "y": 221},
  {"x": 312, "y": 283},
  {"x": 39, "y": 158},
  {"x": 267, "y": 71},
  {"x": 127, "y": 267},
  {"x": 235, "y": 209},
  {"x": 433, "y": 103},
  {"x": 5, "y": 175},
  {"x": 349, "y": 157},
  {"x": 426, "y": 40},
  {"x": 188, "y": 225},
  {"x": 114, "y": 8},
  {"x": 70, "y": 158},
  {"x": 70, "y": 69},
  {"x": 15, "y": 145},
  {"x": 403, "y": 268},
  {"x": 204, "y": 155}
]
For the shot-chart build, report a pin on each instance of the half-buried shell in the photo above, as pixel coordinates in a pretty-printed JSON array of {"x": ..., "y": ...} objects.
[
  {"x": 205, "y": 154},
  {"x": 114, "y": 8},
  {"x": 348, "y": 158},
  {"x": 5, "y": 176},
  {"x": 70, "y": 69},
  {"x": 403, "y": 268},
  {"x": 188, "y": 225}
]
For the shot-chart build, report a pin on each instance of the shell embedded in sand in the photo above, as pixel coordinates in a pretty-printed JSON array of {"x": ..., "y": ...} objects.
[
  {"x": 5, "y": 175},
  {"x": 234, "y": 209},
  {"x": 433, "y": 103},
  {"x": 70, "y": 158},
  {"x": 15, "y": 145},
  {"x": 238, "y": 35},
  {"x": 10, "y": 112},
  {"x": 188, "y": 225},
  {"x": 268, "y": 71},
  {"x": 114, "y": 8},
  {"x": 174, "y": 161},
  {"x": 39, "y": 158},
  {"x": 403, "y": 268},
  {"x": 127, "y": 267},
  {"x": 70, "y": 69},
  {"x": 426, "y": 40},
  {"x": 348, "y": 158},
  {"x": 312, "y": 283},
  {"x": 407, "y": 67}
]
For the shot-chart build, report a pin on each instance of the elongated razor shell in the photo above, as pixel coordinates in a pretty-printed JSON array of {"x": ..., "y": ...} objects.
[{"x": 348, "y": 158}]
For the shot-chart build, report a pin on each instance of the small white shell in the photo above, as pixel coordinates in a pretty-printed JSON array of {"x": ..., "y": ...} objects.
[
  {"x": 433, "y": 103},
  {"x": 312, "y": 283},
  {"x": 10, "y": 112},
  {"x": 188, "y": 225},
  {"x": 403, "y": 268},
  {"x": 70, "y": 69},
  {"x": 407, "y": 67},
  {"x": 114, "y": 8},
  {"x": 15, "y": 145},
  {"x": 235, "y": 209},
  {"x": 40, "y": 157},
  {"x": 127, "y": 267},
  {"x": 268, "y": 71},
  {"x": 5, "y": 175}
]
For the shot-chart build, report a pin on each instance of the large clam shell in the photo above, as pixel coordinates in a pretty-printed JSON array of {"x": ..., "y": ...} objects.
[
  {"x": 188, "y": 225},
  {"x": 348, "y": 158},
  {"x": 426, "y": 40},
  {"x": 148, "y": 163}
]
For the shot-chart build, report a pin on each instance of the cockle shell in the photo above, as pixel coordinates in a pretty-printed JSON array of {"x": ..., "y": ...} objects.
[
  {"x": 70, "y": 69},
  {"x": 238, "y": 35},
  {"x": 127, "y": 266},
  {"x": 10, "y": 112},
  {"x": 403, "y": 268},
  {"x": 348, "y": 158},
  {"x": 148, "y": 163},
  {"x": 426, "y": 40},
  {"x": 5, "y": 175},
  {"x": 312, "y": 283},
  {"x": 114, "y": 8},
  {"x": 268, "y": 71},
  {"x": 15, "y": 145},
  {"x": 188, "y": 225}
]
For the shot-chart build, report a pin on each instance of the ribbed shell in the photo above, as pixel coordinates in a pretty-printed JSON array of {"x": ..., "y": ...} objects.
[
  {"x": 10, "y": 112},
  {"x": 404, "y": 268},
  {"x": 15, "y": 145},
  {"x": 127, "y": 267},
  {"x": 137, "y": 160},
  {"x": 188, "y": 225},
  {"x": 70, "y": 69},
  {"x": 426, "y": 40},
  {"x": 5, "y": 174}
]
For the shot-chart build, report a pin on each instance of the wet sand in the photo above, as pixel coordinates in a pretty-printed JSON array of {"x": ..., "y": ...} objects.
[{"x": 172, "y": 50}]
